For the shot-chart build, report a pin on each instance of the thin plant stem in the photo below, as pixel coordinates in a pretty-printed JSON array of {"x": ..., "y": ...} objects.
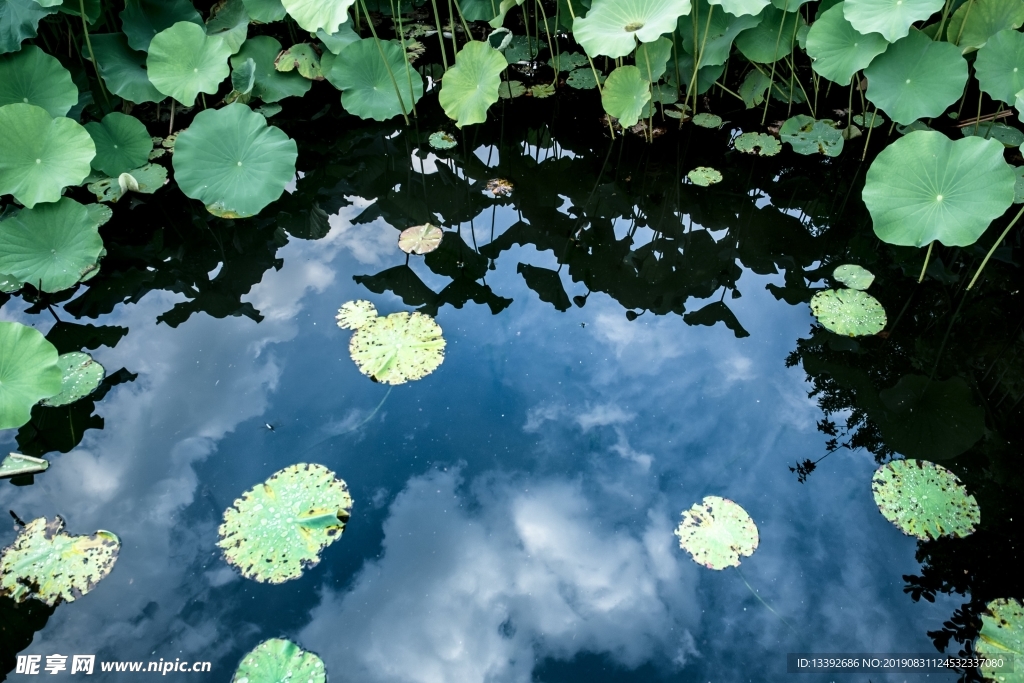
[
  {"x": 978, "y": 121},
  {"x": 451, "y": 26},
  {"x": 551, "y": 47},
  {"x": 778, "y": 39},
  {"x": 927, "y": 258},
  {"x": 170, "y": 128},
  {"x": 761, "y": 600},
  {"x": 699, "y": 57},
  {"x": 792, "y": 69},
  {"x": 960, "y": 33},
  {"x": 462, "y": 19},
  {"x": 994, "y": 247},
  {"x": 440, "y": 34},
  {"x": 725, "y": 89},
  {"x": 849, "y": 106},
  {"x": 691, "y": 86},
  {"x": 867, "y": 138},
  {"x": 391, "y": 74},
  {"x": 401, "y": 39},
  {"x": 92, "y": 55},
  {"x": 600, "y": 87},
  {"x": 942, "y": 21}
]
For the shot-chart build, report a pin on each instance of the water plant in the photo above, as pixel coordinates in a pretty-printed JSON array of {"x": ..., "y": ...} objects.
[
  {"x": 28, "y": 374},
  {"x": 717, "y": 533},
  {"x": 276, "y": 660},
  {"x": 18, "y": 465},
  {"x": 853, "y": 276},
  {"x": 1001, "y": 638},
  {"x": 924, "y": 500},
  {"x": 354, "y": 314},
  {"x": 849, "y": 312},
  {"x": 420, "y": 239},
  {"x": 80, "y": 376},
  {"x": 397, "y": 348}
]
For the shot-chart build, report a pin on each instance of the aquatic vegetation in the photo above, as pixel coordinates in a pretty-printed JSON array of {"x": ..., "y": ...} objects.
[
  {"x": 144, "y": 180},
  {"x": 318, "y": 15},
  {"x": 973, "y": 23},
  {"x": 891, "y": 19},
  {"x": 612, "y": 27},
  {"x": 717, "y": 533},
  {"x": 354, "y": 314},
  {"x": 80, "y": 375},
  {"x": 123, "y": 69},
  {"x": 441, "y": 140},
  {"x": 924, "y": 500},
  {"x": 853, "y": 276},
  {"x": 498, "y": 187},
  {"x": 278, "y": 529},
  {"x": 31, "y": 76},
  {"x": 808, "y": 136},
  {"x": 721, "y": 25},
  {"x": 872, "y": 120},
  {"x": 761, "y": 144},
  {"x": 143, "y": 19},
  {"x": 366, "y": 72},
  {"x": 837, "y": 49},
  {"x": 28, "y": 374},
  {"x": 704, "y": 176},
  {"x": 1002, "y": 637},
  {"x": 773, "y": 38},
  {"x": 928, "y": 418},
  {"x": 183, "y": 61},
  {"x": 470, "y": 87},
  {"x": 624, "y": 95},
  {"x": 269, "y": 84},
  {"x": 705, "y": 120},
  {"x": 420, "y": 239},
  {"x": 277, "y": 660},
  {"x": 18, "y": 465},
  {"x": 122, "y": 143},
  {"x": 398, "y": 348},
  {"x": 52, "y": 566},
  {"x": 999, "y": 66},
  {"x": 849, "y": 312}
]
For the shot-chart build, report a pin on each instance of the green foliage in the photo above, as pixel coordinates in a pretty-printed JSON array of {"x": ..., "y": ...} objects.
[
  {"x": 420, "y": 239},
  {"x": 721, "y": 28},
  {"x": 145, "y": 180},
  {"x": 924, "y": 500},
  {"x": 704, "y": 176},
  {"x": 269, "y": 85},
  {"x": 853, "y": 276},
  {"x": 230, "y": 23},
  {"x": 316, "y": 15},
  {"x": 124, "y": 69},
  {"x": 19, "y": 20},
  {"x": 302, "y": 58},
  {"x": 761, "y": 144},
  {"x": 624, "y": 95},
  {"x": 441, "y": 140},
  {"x": 999, "y": 67},
  {"x": 143, "y": 19},
  {"x": 264, "y": 11},
  {"x": 1002, "y": 637},
  {"x": 838, "y": 49},
  {"x": 398, "y": 348},
  {"x": 612, "y": 27},
  {"x": 975, "y": 21},
  {"x": 848, "y": 312},
  {"x": 80, "y": 376},
  {"x": 742, "y": 8},
  {"x": 773, "y": 38},
  {"x": 122, "y": 143},
  {"x": 891, "y": 19},
  {"x": 354, "y": 314},
  {"x": 927, "y": 418},
  {"x": 470, "y": 87},
  {"x": 28, "y": 374},
  {"x": 367, "y": 81},
  {"x": 717, "y": 533},
  {"x": 31, "y": 76},
  {"x": 277, "y": 660},
  {"x": 183, "y": 62},
  {"x": 705, "y": 120},
  {"x": 16, "y": 465},
  {"x": 808, "y": 136}
]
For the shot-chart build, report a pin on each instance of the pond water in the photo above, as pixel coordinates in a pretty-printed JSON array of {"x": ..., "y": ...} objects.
[{"x": 514, "y": 511}]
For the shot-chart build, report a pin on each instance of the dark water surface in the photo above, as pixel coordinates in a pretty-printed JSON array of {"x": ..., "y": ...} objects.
[{"x": 514, "y": 510}]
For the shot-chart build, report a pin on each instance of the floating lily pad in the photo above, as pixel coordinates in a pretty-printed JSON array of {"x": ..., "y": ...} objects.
[
  {"x": 999, "y": 67},
  {"x": 398, "y": 348},
  {"x": 144, "y": 180},
  {"x": 542, "y": 90},
  {"x": 993, "y": 130},
  {"x": 52, "y": 566},
  {"x": 354, "y": 314},
  {"x": 18, "y": 465},
  {"x": 853, "y": 276},
  {"x": 301, "y": 58},
  {"x": 28, "y": 374},
  {"x": 773, "y": 38},
  {"x": 124, "y": 69},
  {"x": 582, "y": 79},
  {"x": 279, "y": 661},
  {"x": 717, "y": 533},
  {"x": 232, "y": 161},
  {"x": 31, "y": 76},
  {"x": 974, "y": 22},
  {"x": 521, "y": 49},
  {"x": 367, "y": 90},
  {"x": 269, "y": 84},
  {"x": 624, "y": 95},
  {"x": 848, "y": 312},
  {"x": 707, "y": 120},
  {"x": 872, "y": 120},
  {"x": 122, "y": 143},
  {"x": 704, "y": 176},
  {"x": 470, "y": 87},
  {"x": 1002, "y": 640},
  {"x": 567, "y": 61},
  {"x": 143, "y": 19},
  {"x": 80, "y": 377},
  {"x": 891, "y": 19},
  {"x": 314, "y": 15},
  {"x": 420, "y": 239},
  {"x": 440, "y": 140},
  {"x": 808, "y": 136},
  {"x": 499, "y": 187},
  {"x": 183, "y": 62},
  {"x": 761, "y": 144},
  {"x": 41, "y": 155},
  {"x": 926, "y": 187},
  {"x": 837, "y": 49},
  {"x": 511, "y": 89},
  {"x": 612, "y": 27},
  {"x": 278, "y": 529},
  {"x": 931, "y": 419},
  {"x": 924, "y": 500}
]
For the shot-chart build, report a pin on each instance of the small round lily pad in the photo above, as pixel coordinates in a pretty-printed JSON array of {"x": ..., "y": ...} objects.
[
  {"x": 582, "y": 79},
  {"x": 848, "y": 312},
  {"x": 499, "y": 187},
  {"x": 398, "y": 348},
  {"x": 542, "y": 90},
  {"x": 1002, "y": 640},
  {"x": 420, "y": 239},
  {"x": 924, "y": 500},
  {"x": 853, "y": 276},
  {"x": 704, "y": 175},
  {"x": 717, "y": 533},
  {"x": 81, "y": 376},
  {"x": 354, "y": 314},
  {"x": 705, "y": 120},
  {"x": 758, "y": 143},
  {"x": 440, "y": 140},
  {"x": 278, "y": 528},
  {"x": 872, "y": 120},
  {"x": 511, "y": 89},
  {"x": 278, "y": 660}
]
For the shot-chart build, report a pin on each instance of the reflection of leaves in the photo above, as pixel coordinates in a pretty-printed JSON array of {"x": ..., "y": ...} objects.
[
  {"x": 463, "y": 290},
  {"x": 19, "y": 622},
  {"x": 67, "y": 336},
  {"x": 929, "y": 419},
  {"x": 547, "y": 284},
  {"x": 716, "y": 312},
  {"x": 455, "y": 258},
  {"x": 402, "y": 282}
]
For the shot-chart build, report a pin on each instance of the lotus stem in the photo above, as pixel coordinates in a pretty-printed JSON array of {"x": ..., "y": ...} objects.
[
  {"x": 768, "y": 99},
  {"x": 994, "y": 247},
  {"x": 170, "y": 128},
  {"x": 725, "y": 89},
  {"x": 394, "y": 81},
  {"x": 526, "y": 24},
  {"x": 867, "y": 138},
  {"x": 761, "y": 600},
  {"x": 792, "y": 69},
  {"x": 977, "y": 119},
  {"x": 694, "y": 85},
  {"x": 551, "y": 47},
  {"x": 440, "y": 35},
  {"x": 600, "y": 88},
  {"x": 451, "y": 26},
  {"x": 849, "y": 105},
  {"x": 927, "y": 258},
  {"x": 675, "y": 60},
  {"x": 987, "y": 117},
  {"x": 462, "y": 18},
  {"x": 960, "y": 33},
  {"x": 689, "y": 87},
  {"x": 92, "y": 55},
  {"x": 401, "y": 39},
  {"x": 942, "y": 20}
]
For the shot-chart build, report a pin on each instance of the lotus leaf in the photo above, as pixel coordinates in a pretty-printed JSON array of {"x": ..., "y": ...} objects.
[
  {"x": 975, "y": 21},
  {"x": 499, "y": 187},
  {"x": 122, "y": 143},
  {"x": 17, "y": 465},
  {"x": 652, "y": 58},
  {"x": 52, "y": 566},
  {"x": 999, "y": 67},
  {"x": 146, "y": 180},
  {"x": 28, "y": 371},
  {"x": 440, "y": 140},
  {"x": 420, "y": 239},
  {"x": 808, "y": 136},
  {"x": 233, "y": 162},
  {"x": 916, "y": 78},
  {"x": 1002, "y": 638},
  {"x": 542, "y": 90},
  {"x": 742, "y": 8},
  {"x": 33, "y": 77},
  {"x": 773, "y": 38},
  {"x": 339, "y": 40},
  {"x": 707, "y": 120},
  {"x": 503, "y": 9},
  {"x": 891, "y": 18},
  {"x": 838, "y": 49},
  {"x": 567, "y": 61},
  {"x": 470, "y": 87},
  {"x": 278, "y": 529},
  {"x": 314, "y": 15},
  {"x": 1018, "y": 185},
  {"x": 80, "y": 377},
  {"x": 704, "y": 176},
  {"x": 758, "y": 143},
  {"x": 53, "y": 246},
  {"x": 41, "y": 155},
  {"x": 278, "y": 661},
  {"x": 501, "y": 38},
  {"x": 367, "y": 88},
  {"x": 269, "y": 84},
  {"x": 930, "y": 419},
  {"x": 853, "y": 276},
  {"x": 183, "y": 62},
  {"x": 302, "y": 58},
  {"x": 848, "y": 312},
  {"x": 143, "y": 19},
  {"x": 398, "y": 348},
  {"x": 721, "y": 27},
  {"x": 872, "y": 120},
  {"x": 924, "y": 500},
  {"x": 354, "y": 314},
  {"x": 612, "y": 27},
  {"x": 243, "y": 77},
  {"x": 624, "y": 95},
  {"x": 123, "y": 69},
  {"x": 19, "y": 20},
  {"x": 717, "y": 533},
  {"x": 510, "y": 89},
  {"x": 521, "y": 49},
  {"x": 229, "y": 22},
  {"x": 992, "y": 130},
  {"x": 582, "y": 79},
  {"x": 926, "y": 187},
  {"x": 264, "y": 11}
]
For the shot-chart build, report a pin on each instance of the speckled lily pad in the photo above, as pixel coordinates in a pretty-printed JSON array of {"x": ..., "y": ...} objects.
[
  {"x": 499, "y": 187},
  {"x": 280, "y": 661},
  {"x": 1002, "y": 639},
  {"x": 853, "y": 276},
  {"x": 80, "y": 377},
  {"x": 717, "y": 533},
  {"x": 440, "y": 140},
  {"x": 398, "y": 348},
  {"x": 758, "y": 143},
  {"x": 420, "y": 239},
  {"x": 16, "y": 465},
  {"x": 704, "y": 175},
  {"x": 705, "y": 120},
  {"x": 924, "y": 500},
  {"x": 354, "y": 314},
  {"x": 848, "y": 312}
]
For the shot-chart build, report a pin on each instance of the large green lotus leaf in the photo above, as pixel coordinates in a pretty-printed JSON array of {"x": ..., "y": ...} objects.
[
  {"x": 19, "y": 20},
  {"x": 612, "y": 27},
  {"x": 122, "y": 143},
  {"x": 80, "y": 377},
  {"x": 243, "y": 77},
  {"x": 28, "y": 372},
  {"x": 278, "y": 660},
  {"x": 999, "y": 67},
  {"x": 230, "y": 23},
  {"x": 924, "y": 500},
  {"x": 926, "y": 187},
  {"x": 354, "y": 314},
  {"x": 849, "y": 312},
  {"x": 33, "y": 77},
  {"x": 808, "y": 136},
  {"x": 41, "y": 155},
  {"x": 367, "y": 90},
  {"x": 916, "y": 78},
  {"x": 706, "y": 75},
  {"x": 143, "y": 19},
  {"x": 398, "y": 348},
  {"x": 17, "y": 465},
  {"x": 470, "y": 87},
  {"x": 314, "y": 15},
  {"x": 124, "y": 69},
  {"x": 183, "y": 62},
  {"x": 930, "y": 419},
  {"x": 721, "y": 27},
  {"x": 891, "y": 18},
  {"x": 233, "y": 162},
  {"x": 743, "y": 8},
  {"x": 838, "y": 49},
  {"x": 1002, "y": 640},
  {"x": 624, "y": 95},
  {"x": 52, "y": 246},
  {"x": 277, "y": 529},
  {"x": 853, "y": 276},
  {"x": 264, "y": 11},
  {"x": 52, "y": 566},
  {"x": 984, "y": 19},
  {"x": 340, "y": 39},
  {"x": 717, "y": 533},
  {"x": 773, "y": 38},
  {"x": 652, "y": 58},
  {"x": 270, "y": 85}
]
